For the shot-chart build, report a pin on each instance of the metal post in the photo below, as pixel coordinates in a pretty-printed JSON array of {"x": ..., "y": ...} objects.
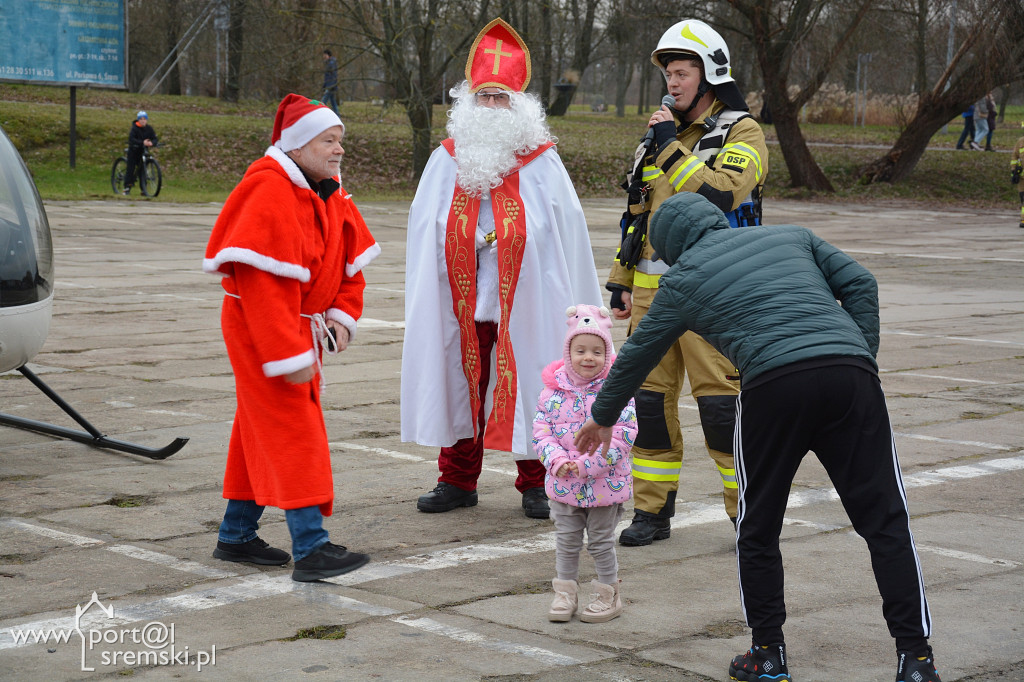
[{"x": 73, "y": 136}]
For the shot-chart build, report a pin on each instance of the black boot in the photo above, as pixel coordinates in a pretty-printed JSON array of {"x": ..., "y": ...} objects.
[
  {"x": 645, "y": 529},
  {"x": 445, "y": 497},
  {"x": 535, "y": 503}
]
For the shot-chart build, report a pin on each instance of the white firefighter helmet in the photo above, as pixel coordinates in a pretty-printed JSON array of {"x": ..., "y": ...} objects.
[{"x": 696, "y": 37}]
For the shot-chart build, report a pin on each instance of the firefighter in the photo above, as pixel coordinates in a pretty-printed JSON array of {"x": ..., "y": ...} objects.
[{"x": 705, "y": 142}]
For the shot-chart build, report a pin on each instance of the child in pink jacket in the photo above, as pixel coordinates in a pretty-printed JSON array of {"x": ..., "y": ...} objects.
[{"x": 584, "y": 491}]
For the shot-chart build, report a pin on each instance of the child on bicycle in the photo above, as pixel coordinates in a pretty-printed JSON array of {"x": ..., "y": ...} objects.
[
  {"x": 140, "y": 136},
  {"x": 585, "y": 492}
]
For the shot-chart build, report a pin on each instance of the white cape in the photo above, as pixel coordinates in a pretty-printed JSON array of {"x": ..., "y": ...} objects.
[{"x": 557, "y": 272}]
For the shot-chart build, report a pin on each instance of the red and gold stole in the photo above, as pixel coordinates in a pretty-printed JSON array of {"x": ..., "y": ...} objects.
[{"x": 460, "y": 255}]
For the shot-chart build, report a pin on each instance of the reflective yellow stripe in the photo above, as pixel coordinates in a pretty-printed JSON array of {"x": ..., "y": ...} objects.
[
  {"x": 689, "y": 168},
  {"x": 728, "y": 477},
  {"x": 653, "y": 470},
  {"x": 655, "y": 477},
  {"x": 650, "y": 172},
  {"x": 746, "y": 150},
  {"x": 642, "y": 279}
]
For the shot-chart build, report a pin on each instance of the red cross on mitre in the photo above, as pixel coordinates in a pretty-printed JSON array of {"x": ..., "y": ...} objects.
[{"x": 499, "y": 58}]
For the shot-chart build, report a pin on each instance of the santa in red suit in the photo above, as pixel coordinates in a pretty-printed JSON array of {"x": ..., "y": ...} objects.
[
  {"x": 497, "y": 249},
  {"x": 290, "y": 247}
]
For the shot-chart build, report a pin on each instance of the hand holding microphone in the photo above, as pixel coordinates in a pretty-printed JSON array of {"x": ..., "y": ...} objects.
[{"x": 667, "y": 100}]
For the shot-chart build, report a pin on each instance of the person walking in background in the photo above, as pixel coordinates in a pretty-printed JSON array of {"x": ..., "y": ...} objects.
[
  {"x": 330, "y": 96},
  {"x": 706, "y": 142},
  {"x": 140, "y": 136},
  {"x": 800, "y": 319},
  {"x": 1016, "y": 168},
  {"x": 992, "y": 114},
  {"x": 585, "y": 492},
  {"x": 497, "y": 248},
  {"x": 981, "y": 110},
  {"x": 290, "y": 247},
  {"x": 967, "y": 134}
]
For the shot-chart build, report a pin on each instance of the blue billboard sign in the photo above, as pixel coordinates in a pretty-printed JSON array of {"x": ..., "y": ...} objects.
[{"x": 69, "y": 42}]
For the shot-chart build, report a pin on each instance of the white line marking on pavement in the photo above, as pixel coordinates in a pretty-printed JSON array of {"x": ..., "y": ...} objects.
[
  {"x": 896, "y": 372},
  {"x": 952, "y": 338},
  {"x": 126, "y": 550},
  {"x": 937, "y": 257},
  {"x": 462, "y": 635},
  {"x": 936, "y": 439},
  {"x": 371, "y": 323},
  {"x": 967, "y": 556},
  {"x": 69, "y": 538},
  {"x": 177, "y": 414},
  {"x": 170, "y": 561},
  {"x": 406, "y": 456},
  {"x": 243, "y": 589}
]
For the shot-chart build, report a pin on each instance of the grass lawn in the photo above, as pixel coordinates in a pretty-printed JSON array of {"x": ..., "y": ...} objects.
[{"x": 207, "y": 144}]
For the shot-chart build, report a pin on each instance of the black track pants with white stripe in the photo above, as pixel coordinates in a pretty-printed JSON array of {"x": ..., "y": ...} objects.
[{"x": 839, "y": 413}]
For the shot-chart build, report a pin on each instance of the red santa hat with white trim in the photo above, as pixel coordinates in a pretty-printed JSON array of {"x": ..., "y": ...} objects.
[{"x": 299, "y": 119}]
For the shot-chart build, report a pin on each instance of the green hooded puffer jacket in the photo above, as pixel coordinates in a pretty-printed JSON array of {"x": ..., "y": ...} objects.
[{"x": 765, "y": 297}]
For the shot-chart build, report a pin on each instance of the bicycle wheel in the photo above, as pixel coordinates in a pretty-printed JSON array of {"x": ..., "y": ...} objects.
[
  {"x": 117, "y": 174},
  {"x": 152, "y": 179}
]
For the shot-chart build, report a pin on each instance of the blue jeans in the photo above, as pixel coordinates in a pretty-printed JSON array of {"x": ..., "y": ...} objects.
[{"x": 306, "y": 525}]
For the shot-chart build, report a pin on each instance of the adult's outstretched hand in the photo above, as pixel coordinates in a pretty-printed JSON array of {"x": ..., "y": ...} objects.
[{"x": 591, "y": 436}]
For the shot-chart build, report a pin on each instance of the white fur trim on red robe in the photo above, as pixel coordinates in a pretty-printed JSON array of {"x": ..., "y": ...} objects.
[{"x": 283, "y": 252}]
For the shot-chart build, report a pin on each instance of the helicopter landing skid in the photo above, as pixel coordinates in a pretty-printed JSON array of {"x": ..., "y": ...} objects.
[{"x": 93, "y": 437}]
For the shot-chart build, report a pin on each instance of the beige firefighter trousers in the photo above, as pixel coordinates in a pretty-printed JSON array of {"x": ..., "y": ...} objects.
[{"x": 656, "y": 471}]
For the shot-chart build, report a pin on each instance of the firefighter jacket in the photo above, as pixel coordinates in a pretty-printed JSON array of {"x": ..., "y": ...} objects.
[{"x": 721, "y": 156}]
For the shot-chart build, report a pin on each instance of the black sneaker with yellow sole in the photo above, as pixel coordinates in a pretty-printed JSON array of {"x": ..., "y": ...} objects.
[{"x": 761, "y": 664}]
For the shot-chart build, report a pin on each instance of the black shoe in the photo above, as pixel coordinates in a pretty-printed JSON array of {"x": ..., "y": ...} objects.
[
  {"x": 256, "y": 551},
  {"x": 446, "y": 497},
  {"x": 911, "y": 668},
  {"x": 328, "y": 560},
  {"x": 127, "y": 191},
  {"x": 761, "y": 664},
  {"x": 645, "y": 529},
  {"x": 535, "y": 503}
]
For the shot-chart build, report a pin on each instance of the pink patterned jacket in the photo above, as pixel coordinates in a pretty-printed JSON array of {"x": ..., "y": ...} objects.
[{"x": 605, "y": 478}]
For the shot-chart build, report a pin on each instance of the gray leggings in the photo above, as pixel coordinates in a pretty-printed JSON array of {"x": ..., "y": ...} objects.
[{"x": 600, "y": 523}]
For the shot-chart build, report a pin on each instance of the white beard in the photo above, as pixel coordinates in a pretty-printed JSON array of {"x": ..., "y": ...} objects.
[{"x": 488, "y": 141}]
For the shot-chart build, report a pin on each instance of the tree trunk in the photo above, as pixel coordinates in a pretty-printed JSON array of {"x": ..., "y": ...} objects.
[
  {"x": 236, "y": 25},
  {"x": 545, "y": 53},
  {"x": 803, "y": 169},
  {"x": 420, "y": 112},
  {"x": 908, "y": 149},
  {"x": 173, "y": 32}
]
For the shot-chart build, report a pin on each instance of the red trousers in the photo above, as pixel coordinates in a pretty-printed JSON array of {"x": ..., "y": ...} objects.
[{"x": 461, "y": 463}]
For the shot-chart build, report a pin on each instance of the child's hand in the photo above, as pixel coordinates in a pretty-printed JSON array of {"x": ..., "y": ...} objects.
[{"x": 568, "y": 467}]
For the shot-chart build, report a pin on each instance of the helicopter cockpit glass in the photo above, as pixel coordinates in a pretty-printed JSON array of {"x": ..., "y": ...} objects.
[{"x": 26, "y": 252}]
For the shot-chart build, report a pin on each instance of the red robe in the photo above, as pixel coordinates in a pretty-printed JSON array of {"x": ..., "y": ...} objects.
[{"x": 283, "y": 253}]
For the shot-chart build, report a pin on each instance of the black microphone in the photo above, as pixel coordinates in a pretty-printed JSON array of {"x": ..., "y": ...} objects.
[{"x": 666, "y": 101}]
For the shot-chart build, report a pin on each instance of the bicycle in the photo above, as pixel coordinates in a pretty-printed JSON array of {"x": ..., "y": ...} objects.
[{"x": 150, "y": 176}]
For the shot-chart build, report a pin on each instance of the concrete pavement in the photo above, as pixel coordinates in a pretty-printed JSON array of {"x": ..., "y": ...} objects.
[{"x": 135, "y": 347}]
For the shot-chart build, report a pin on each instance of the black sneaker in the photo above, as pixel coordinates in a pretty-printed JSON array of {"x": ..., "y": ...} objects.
[
  {"x": 256, "y": 551},
  {"x": 645, "y": 529},
  {"x": 446, "y": 497},
  {"x": 761, "y": 663},
  {"x": 911, "y": 668},
  {"x": 535, "y": 503},
  {"x": 328, "y": 560}
]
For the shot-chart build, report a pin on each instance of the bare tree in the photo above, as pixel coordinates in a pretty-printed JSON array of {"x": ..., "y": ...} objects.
[
  {"x": 415, "y": 41},
  {"x": 990, "y": 54},
  {"x": 777, "y": 30}
]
